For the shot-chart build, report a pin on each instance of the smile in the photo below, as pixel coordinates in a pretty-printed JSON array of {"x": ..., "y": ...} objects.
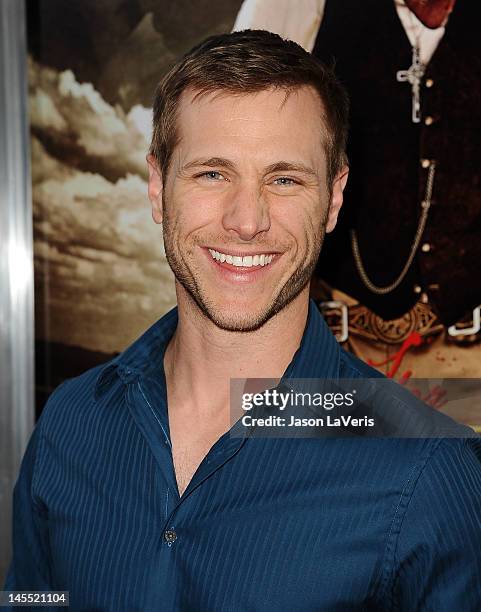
[{"x": 247, "y": 261}]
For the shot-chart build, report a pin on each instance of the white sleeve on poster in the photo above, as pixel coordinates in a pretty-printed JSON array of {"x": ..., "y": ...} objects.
[{"x": 298, "y": 21}]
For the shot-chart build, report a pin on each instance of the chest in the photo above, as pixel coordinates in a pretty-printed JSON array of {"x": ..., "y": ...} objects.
[
  {"x": 267, "y": 532},
  {"x": 191, "y": 439}
]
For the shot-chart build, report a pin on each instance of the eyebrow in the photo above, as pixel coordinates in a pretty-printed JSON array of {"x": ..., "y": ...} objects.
[
  {"x": 281, "y": 166},
  {"x": 284, "y": 166},
  {"x": 212, "y": 162}
]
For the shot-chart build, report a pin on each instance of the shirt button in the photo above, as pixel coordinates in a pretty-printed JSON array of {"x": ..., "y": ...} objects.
[
  {"x": 429, "y": 82},
  {"x": 425, "y": 163},
  {"x": 417, "y": 289},
  {"x": 428, "y": 120},
  {"x": 170, "y": 536},
  {"x": 426, "y": 247}
]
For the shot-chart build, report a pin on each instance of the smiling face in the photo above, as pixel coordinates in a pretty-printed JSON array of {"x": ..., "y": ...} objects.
[{"x": 245, "y": 203}]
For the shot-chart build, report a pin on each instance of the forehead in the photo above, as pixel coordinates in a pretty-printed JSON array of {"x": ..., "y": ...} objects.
[{"x": 270, "y": 123}]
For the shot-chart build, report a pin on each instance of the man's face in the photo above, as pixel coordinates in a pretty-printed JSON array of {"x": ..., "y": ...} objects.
[{"x": 245, "y": 203}]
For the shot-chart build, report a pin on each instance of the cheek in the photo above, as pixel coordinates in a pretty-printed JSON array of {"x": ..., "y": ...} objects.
[
  {"x": 195, "y": 207},
  {"x": 303, "y": 220}
]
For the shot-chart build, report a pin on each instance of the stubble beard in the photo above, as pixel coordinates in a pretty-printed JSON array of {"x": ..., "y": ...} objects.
[{"x": 291, "y": 289}]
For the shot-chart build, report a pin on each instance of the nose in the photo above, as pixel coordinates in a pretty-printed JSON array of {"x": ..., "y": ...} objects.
[{"x": 246, "y": 213}]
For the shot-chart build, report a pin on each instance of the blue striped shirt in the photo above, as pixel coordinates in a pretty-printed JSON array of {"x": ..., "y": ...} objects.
[{"x": 264, "y": 525}]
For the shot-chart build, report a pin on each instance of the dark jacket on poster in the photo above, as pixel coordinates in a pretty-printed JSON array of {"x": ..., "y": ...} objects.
[{"x": 387, "y": 180}]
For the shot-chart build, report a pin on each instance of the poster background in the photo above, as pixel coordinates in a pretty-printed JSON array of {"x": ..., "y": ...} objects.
[{"x": 101, "y": 276}]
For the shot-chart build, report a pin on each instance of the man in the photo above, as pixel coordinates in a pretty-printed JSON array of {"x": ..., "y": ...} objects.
[
  {"x": 133, "y": 493},
  {"x": 405, "y": 260}
]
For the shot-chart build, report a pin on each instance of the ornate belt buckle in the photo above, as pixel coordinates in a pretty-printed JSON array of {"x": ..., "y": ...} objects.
[
  {"x": 343, "y": 334},
  {"x": 468, "y": 331}
]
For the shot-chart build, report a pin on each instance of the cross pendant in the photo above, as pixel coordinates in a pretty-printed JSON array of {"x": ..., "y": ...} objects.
[{"x": 414, "y": 75}]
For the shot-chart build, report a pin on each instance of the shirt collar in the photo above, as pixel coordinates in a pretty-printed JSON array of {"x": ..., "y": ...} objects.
[
  {"x": 318, "y": 355},
  {"x": 142, "y": 358}
]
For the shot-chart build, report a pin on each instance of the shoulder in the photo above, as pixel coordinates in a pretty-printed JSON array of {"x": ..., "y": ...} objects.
[
  {"x": 74, "y": 399},
  {"x": 449, "y": 478},
  {"x": 452, "y": 478},
  {"x": 353, "y": 367},
  {"x": 435, "y": 538},
  {"x": 397, "y": 411},
  {"x": 77, "y": 428}
]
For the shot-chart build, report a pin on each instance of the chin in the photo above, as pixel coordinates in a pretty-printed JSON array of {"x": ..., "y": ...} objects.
[
  {"x": 244, "y": 316},
  {"x": 240, "y": 317},
  {"x": 234, "y": 323}
]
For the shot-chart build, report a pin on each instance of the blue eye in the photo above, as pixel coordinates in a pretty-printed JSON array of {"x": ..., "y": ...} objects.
[
  {"x": 212, "y": 175},
  {"x": 284, "y": 181}
]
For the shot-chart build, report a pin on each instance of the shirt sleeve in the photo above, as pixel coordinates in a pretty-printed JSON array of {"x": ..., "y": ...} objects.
[
  {"x": 438, "y": 555},
  {"x": 298, "y": 21},
  {"x": 30, "y": 566}
]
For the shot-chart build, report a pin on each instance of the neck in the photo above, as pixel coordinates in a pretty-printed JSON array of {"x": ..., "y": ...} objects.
[{"x": 201, "y": 358}]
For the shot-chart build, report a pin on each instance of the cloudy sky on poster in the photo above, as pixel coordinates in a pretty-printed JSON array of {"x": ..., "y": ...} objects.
[
  {"x": 101, "y": 272},
  {"x": 96, "y": 245}
]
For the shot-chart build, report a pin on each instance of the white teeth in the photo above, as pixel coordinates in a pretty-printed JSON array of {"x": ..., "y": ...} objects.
[{"x": 248, "y": 261}]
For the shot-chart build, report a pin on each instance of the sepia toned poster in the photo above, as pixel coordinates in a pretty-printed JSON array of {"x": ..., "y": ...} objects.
[{"x": 101, "y": 276}]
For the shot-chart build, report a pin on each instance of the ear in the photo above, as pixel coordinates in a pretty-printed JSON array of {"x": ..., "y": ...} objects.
[
  {"x": 155, "y": 188},
  {"x": 336, "y": 199}
]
